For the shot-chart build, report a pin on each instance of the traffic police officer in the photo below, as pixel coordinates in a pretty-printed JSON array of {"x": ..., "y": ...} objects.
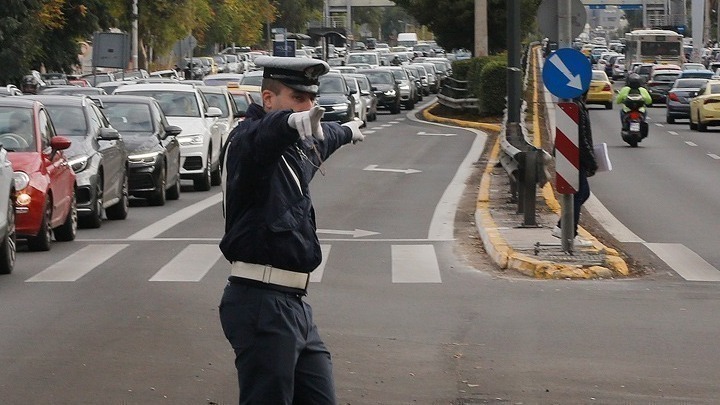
[{"x": 270, "y": 236}]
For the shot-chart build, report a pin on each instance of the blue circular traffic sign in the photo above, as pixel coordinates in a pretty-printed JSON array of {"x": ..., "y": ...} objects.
[{"x": 567, "y": 73}]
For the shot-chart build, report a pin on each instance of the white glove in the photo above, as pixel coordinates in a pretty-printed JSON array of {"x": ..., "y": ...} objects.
[
  {"x": 354, "y": 125},
  {"x": 307, "y": 123}
]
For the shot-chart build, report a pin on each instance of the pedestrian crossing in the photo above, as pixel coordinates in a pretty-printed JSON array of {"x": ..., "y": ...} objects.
[{"x": 410, "y": 263}]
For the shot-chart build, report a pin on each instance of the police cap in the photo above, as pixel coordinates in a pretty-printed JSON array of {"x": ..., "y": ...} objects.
[{"x": 297, "y": 73}]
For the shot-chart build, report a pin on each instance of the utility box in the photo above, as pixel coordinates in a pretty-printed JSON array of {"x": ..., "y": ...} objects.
[{"x": 111, "y": 50}]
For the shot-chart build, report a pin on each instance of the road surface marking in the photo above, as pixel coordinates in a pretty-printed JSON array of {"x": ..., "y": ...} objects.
[
  {"x": 688, "y": 264},
  {"x": 714, "y": 156},
  {"x": 672, "y": 133},
  {"x": 688, "y": 143},
  {"x": 357, "y": 233},
  {"x": 368, "y": 132},
  {"x": 189, "y": 265},
  {"x": 659, "y": 124},
  {"x": 168, "y": 222},
  {"x": 393, "y": 122},
  {"x": 375, "y": 168},
  {"x": 77, "y": 264},
  {"x": 317, "y": 274},
  {"x": 613, "y": 225},
  {"x": 415, "y": 264}
]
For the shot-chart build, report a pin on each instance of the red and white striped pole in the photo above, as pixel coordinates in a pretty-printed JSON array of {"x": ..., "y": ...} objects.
[
  {"x": 567, "y": 154},
  {"x": 567, "y": 165}
]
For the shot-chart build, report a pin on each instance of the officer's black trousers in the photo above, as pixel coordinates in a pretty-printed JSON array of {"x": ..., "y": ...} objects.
[{"x": 279, "y": 355}]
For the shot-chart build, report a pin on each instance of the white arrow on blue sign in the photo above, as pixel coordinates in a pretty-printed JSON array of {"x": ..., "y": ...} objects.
[{"x": 567, "y": 73}]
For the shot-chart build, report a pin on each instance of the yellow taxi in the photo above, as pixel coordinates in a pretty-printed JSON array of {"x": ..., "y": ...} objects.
[
  {"x": 243, "y": 95},
  {"x": 705, "y": 106},
  {"x": 601, "y": 91}
]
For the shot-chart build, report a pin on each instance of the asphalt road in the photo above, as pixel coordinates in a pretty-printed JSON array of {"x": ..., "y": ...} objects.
[{"x": 127, "y": 314}]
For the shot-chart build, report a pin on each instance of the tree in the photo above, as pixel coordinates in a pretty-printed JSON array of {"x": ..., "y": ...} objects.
[
  {"x": 454, "y": 25},
  {"x": 294, "y": 14},
  {"x": 239, "y": 21},
  {"x": 19, "y": 32}
]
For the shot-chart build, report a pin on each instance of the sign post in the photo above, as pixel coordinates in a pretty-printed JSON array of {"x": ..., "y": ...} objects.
[{"x": 566, "y": 74}]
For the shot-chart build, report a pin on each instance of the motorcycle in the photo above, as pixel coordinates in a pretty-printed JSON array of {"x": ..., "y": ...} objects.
[{"x": 634, "y": 129}]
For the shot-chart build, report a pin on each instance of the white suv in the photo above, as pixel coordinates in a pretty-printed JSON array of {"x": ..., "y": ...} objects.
[{"x": 187, "y": 108}]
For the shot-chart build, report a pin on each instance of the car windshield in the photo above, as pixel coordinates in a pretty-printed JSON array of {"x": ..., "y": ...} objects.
[
  {"x": 715, "y": 89},
  {"x": 352, "y": 84},
  {"x": 241, "y": 102},
  {"x": 68, "y": 120},
  {"x": 252, "y": 80},
  {"x": 16, "y": 129},
  {"x": 331, "y": 84},
  {"x": 665, "y": 77},
  {"x": 399, "y": 75},
  {"x": 218, "y": 100},
  {"x": 363, "y": 58},
  {"x": 173, "y": 103},
  {"x": 129, "y": 117},
  {"x": 380, "y": 77},
  {"x": 690, "y": 83},
  {"x": 363, "y": 84},
  {"x": 599, "y": 76}
]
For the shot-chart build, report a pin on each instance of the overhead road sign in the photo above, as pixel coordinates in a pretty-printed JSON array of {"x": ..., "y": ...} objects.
[{"x": 567, "y": 73}]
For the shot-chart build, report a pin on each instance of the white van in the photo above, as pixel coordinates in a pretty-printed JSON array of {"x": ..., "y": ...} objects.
[{"x": 407, "y": 39}]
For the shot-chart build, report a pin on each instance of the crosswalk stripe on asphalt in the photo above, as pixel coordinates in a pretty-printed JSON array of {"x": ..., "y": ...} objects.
[
  {"x": 415, "y": 264},
  {"x": 189, "y": 265},
  {"x": 78, "y": 264}
]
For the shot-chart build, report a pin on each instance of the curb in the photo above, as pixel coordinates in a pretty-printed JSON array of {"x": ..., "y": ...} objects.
[{"x": 497, "y": 247}]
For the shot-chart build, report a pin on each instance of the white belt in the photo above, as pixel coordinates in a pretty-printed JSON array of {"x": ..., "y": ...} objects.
[{"x": 270, "y": 275}]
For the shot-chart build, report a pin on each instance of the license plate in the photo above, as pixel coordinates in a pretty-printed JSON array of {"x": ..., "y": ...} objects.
[{"x": 635, "y": 126}]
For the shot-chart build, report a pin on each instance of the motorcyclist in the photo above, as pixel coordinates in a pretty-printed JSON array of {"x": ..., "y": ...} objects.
[{"x": 633, "y": 85}]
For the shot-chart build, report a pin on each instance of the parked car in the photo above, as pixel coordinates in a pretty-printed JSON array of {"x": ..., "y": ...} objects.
[
  {"x": 659, "y": 84},
  {"x": 368, "y": 94},
  {"x": 200, "y": 140},
  {"x": 152, "y": 146},
  {"x": 73, "y": 90},
  {"x": 222, "y": 79},
  {"x": 360, "y": 109},
  {"x": 386, "y": 88},
  {"x": 600, "y": 91},
  {"x": 336, "y": 97},
  {"x": 705, "y": 106},
  {"x": 8, "y": 241},
  {"x": 679, "y": 96},
  {"x": 219, "y": 97},
  {"x": 44, "y": 183},
  {"x": 407, "y": 88},
  {"x": 97, "y": 156}
]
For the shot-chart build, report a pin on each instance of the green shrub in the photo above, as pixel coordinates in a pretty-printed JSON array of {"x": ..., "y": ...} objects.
[
  {"x": 460, "y": 68},
  {"x": 492, "y": 88}
]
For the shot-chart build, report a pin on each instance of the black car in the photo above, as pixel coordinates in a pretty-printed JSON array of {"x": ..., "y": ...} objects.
[
  {"x": 660, "y": 83},
  {"x": 97, "y": 155},
  {"x": 385, "y": 87},
  {"x": 153, "y": 150},
  {"x": 335, "y": 96}
]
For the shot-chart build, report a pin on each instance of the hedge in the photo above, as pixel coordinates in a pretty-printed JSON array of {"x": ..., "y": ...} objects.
[
  {"x": 472, "y": 71},
  {"x": 493, "y": 88}
]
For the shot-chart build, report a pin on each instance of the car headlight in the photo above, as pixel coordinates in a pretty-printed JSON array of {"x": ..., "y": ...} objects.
[
  {"x": 21, "y": 180},
  {"x": 79, "y": 163},
  {"x": 190, "y": 140},
  {"x": 147, "y": 158},
  {"x": 390, "y": 93},
  {"x": 339, "y": 107}
]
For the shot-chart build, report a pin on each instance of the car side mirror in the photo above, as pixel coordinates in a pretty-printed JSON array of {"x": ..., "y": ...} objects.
[
  {"x": 364, "y": 93},
  {"x": 109, "y": 134},
  {"x": 172, "y": 130},
  {"x": 240, "y": 114},
  {"x": 373, "y": 88},
  {"x": 353, "y": 91},
  {"x": 60, "y": 143},
  {"x": 213, "y": 112}
]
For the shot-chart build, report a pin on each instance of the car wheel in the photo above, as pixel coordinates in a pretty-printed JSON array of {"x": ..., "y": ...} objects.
[
  {"x": 120, "y": 210},
  {"x": 173, "y": 193},
  {"x": 158, "y": 198},
  {"x": 9, "y": 244},
  {"x": 41, "y": 241},
  {"x": 68, "y": 230},
  {"x": 94, "y": 220},
  {"x": 215, "y": 177},
  {"x": 203, "y": 183}
]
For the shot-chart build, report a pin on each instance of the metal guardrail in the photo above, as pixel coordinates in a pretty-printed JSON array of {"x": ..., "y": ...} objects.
[
  {"x": 523, "y": 162},
  {"x": 455, "y": 94}
]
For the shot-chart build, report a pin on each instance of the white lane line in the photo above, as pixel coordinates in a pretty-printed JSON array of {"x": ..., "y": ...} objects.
[
  {"x": 688, "y": 143},
  {"x": 385, "y": 125},
  {"x": 77, "y": 264},
  {"x": 317, "y": 274},
  {"x": 415, "y": 264},
  {"x": 168, "y": 222},
  {"x": 659, "y": 124},
  {"x": 189, "y": 265},
  {"x": 688, "y": 264},
  {"x": 393, "y": 122},
  {"x": 616, "y": 228},
  {"x": 672, "y": 133},
  {"x": 714, "y": 156},
  {"x": 368, "y": 131}
]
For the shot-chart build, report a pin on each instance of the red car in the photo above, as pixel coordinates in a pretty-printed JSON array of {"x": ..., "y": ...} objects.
[{"x": 44, "y": 182}]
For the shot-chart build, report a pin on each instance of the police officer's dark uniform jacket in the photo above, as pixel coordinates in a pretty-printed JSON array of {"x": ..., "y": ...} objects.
[{"x": 270, "y": 219}]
